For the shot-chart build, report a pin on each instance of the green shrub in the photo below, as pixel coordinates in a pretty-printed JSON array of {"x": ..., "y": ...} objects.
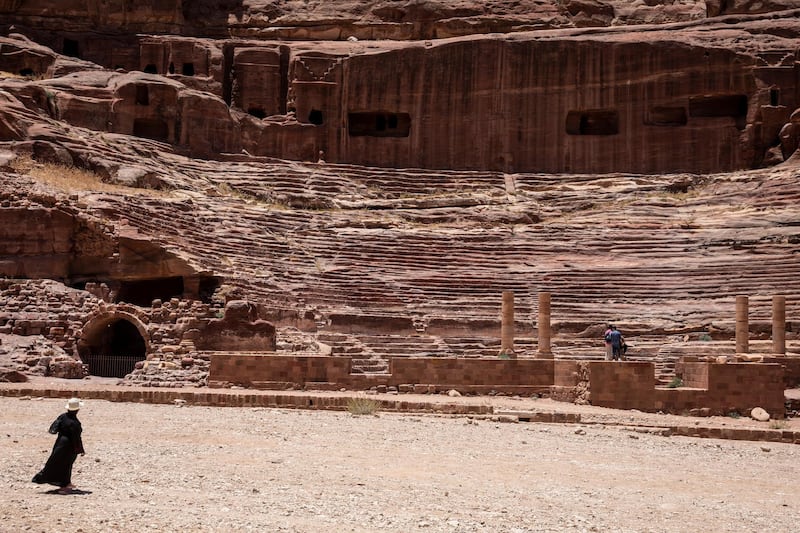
[{"x": 675, "y": 383}]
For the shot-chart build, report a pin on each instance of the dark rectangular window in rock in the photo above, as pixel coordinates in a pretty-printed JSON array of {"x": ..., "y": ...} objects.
[
  {"x": 257, "y": 112},
  {"x": 718, "y": 105},
  {"x": 188, "y": 69},
  {"x": 142, "y": 292},
  {"x": 774, "y": 97},
  {"x": 71, "y": 48},
  {"x": 593, "y": 122},
  {"x": 666, "y": 116},
  {"x": 142, "y": 94},
  {"x": 151, "y": 128},
  {"x": 379, "y": 124}
]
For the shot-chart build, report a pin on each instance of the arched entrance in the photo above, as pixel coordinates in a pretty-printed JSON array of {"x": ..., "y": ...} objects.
[{"x": 112, "y": 345}]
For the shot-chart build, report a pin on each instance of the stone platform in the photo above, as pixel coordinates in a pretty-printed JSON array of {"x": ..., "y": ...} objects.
[{"x": 509, "y": 409}]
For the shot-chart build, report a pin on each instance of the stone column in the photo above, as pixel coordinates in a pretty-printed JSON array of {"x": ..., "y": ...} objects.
[
  {"x": 507, "y": 325},
  {"x": 779, "y": 325},
  {"x": 544, "y": 326},
  {"x": 742, "y": 325}
]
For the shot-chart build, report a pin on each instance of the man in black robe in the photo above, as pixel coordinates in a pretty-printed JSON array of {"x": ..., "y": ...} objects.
[{"x": 58, "y": 469}]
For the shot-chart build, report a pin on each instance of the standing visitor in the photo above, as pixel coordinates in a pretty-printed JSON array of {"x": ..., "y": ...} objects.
[
  {"x": 616, "y": 340},
  {"x": 58, "y": 469},
  {"x": 607, "y": 340}
]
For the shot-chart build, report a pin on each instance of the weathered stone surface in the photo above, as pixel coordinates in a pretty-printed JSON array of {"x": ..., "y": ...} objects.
[
  {"x": 13, "y": 376},
  {"x": 237, "y": 331},
  {"x": 757, "y": 413},
  {"x": 702, "y": 97}
]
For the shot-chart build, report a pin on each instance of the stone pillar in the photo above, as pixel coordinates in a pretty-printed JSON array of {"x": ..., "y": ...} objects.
[
  {"x": 742, "y": 325},
  {"x": 544, "y": 326},
  {"x": 779, "y": 325},
  {"x": 507, "y": 325}
]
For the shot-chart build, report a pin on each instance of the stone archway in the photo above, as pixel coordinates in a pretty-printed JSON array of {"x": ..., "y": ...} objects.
[{"x": 112, "y": 344}]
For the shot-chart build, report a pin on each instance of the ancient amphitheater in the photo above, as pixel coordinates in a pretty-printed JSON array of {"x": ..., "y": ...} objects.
[{"x": 328, "y": 195}]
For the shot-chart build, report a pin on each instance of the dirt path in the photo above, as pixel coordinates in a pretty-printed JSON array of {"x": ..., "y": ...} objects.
[{"x": 165, "y": 468}]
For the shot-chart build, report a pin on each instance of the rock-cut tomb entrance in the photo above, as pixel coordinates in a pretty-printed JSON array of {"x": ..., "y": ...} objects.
[{"x": 112, "y": 344}]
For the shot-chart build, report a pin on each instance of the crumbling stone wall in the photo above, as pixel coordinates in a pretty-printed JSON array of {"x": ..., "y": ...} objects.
[{"x": 61, "y": 314}]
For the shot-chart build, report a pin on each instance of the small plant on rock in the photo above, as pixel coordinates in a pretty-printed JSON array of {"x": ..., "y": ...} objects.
[
  {"x": 362, "y": 406},
  {"x": 675, "y": 383}
]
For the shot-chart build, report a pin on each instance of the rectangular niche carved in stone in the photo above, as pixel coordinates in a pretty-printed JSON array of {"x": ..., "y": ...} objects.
[
  {"x": 718, "y": 105},
  {"x": 593, "y": 122},
  {"x": 666, "y": 116},
  {"x": 379, "y": 124},
  {"x": 142, "y": 94},
  {"x": 71, "y": 48},
  {"x": 151, "y": 128}
]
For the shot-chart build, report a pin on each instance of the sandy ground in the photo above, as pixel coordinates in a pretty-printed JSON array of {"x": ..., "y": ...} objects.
[{"x": 169, "y": 468}]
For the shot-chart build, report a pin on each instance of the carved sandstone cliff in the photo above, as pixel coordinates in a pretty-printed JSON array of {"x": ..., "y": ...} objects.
[{"x": 695, "y": 98}]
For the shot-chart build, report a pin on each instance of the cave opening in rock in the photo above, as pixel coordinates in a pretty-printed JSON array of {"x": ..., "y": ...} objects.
[
  {"x": 257, "y": 112},
  {"x": 142, "y": 292},
  {"x": 151, "y": 69},
  {"x": 151, "y": 128},
  {"x": 379, "y": 124},
  {"x": 667, "y": 116},
  {"x": 112, "y": 348},
  {"x": 71, "y": 48},
  {"x": 187, "y": 69},
  {"x": 315, "y": 117},
  {"x": 593, "y": 122},
  {"x": 718, "y": 105},
  {"x": 142, "y": 94}
]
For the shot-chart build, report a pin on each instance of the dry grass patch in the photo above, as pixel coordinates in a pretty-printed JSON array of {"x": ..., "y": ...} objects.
[
  {"x": 363, "y": 406},
  {"x": 72, "y": 179}
]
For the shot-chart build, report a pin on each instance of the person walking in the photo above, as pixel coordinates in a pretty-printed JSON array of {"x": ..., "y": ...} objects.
[{"x": 58, "y": 468}]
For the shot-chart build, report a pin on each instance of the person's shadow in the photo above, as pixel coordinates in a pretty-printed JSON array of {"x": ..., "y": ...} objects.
[{"x": 73, "y": 492}]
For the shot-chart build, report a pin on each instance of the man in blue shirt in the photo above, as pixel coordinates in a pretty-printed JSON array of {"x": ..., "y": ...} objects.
[{"x": 616, "y": 340}]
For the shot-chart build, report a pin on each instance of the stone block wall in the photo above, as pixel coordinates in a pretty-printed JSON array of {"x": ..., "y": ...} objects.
[
  {"x": 566, "y": 373},
  {"x": 36, "y": 307},
  {"x": 473, "y": 374},
  {"x": 629, "y": 385},
  {"x": 681, "y": 401},
  {"x": 65, "y": 315},
  {"x": 791, "y": 370},
  {"x": 277, "y": 372},
  {"x": 739, "y": 387},
  {"x": 409, "y": 374}
]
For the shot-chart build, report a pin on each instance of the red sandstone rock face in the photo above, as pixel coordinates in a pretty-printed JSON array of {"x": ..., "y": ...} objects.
[
  {"x": 696, "y": 99},
  {"x": 365, "y": 19},
  {"x": 238, "y": 330},
  {"x": 376, "y": 261}
]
